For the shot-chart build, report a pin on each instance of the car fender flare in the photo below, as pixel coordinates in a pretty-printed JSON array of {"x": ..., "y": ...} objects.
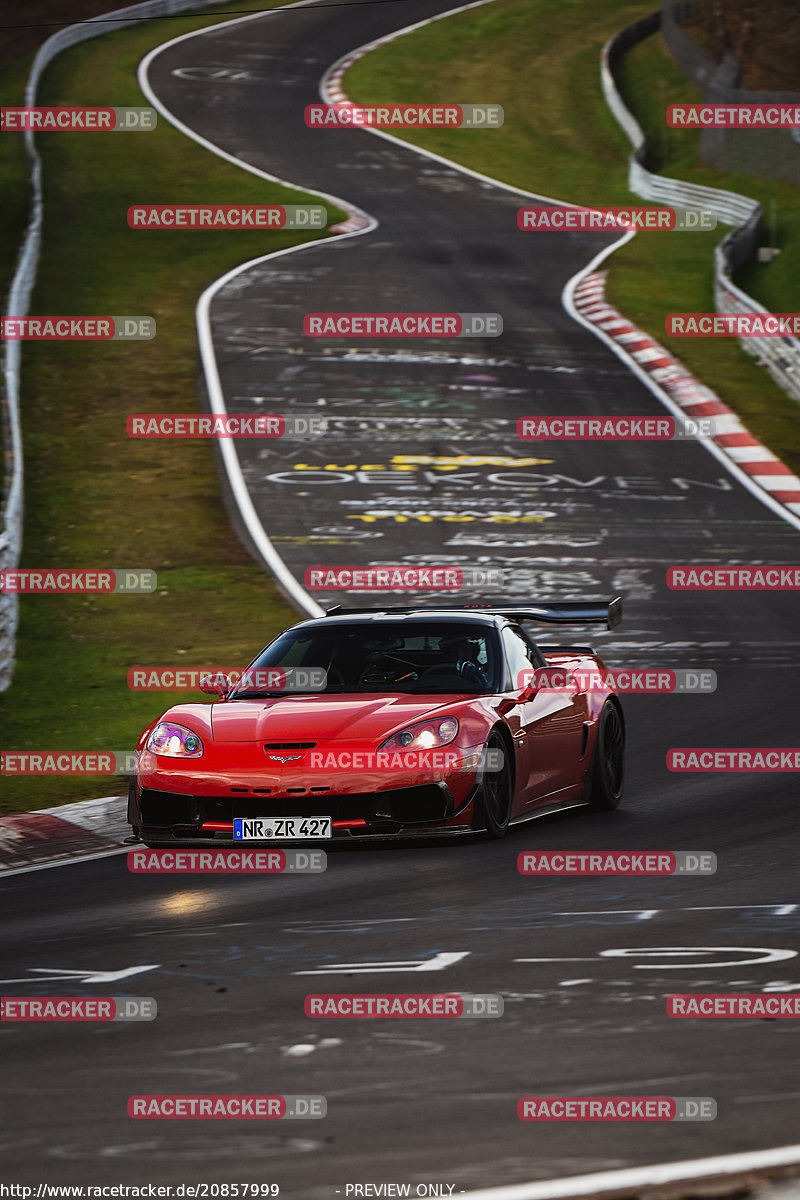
[{"x": 505, "y": 734}]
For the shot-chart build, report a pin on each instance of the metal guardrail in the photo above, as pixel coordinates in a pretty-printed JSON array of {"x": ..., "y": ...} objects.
[
  {"x": 20, "y": 293},
  {"x": 780, "y": 356}
]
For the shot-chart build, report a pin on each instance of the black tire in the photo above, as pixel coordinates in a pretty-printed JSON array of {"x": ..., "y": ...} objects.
[
  {"x": 492, "y": 810},
  {"x": 606, "y": 778}
]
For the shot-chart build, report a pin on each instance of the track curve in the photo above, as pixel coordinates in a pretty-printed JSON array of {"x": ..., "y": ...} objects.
[{"x": 436, "y": 1102}]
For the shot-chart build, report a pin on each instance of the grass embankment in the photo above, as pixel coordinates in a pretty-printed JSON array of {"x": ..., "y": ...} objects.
[
  {"x": 94, "y": 497},
  {"x": 542, "y": 63}
]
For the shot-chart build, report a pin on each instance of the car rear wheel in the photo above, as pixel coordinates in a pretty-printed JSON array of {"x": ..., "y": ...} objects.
[
  {"x": 606, "y": 777},
  {"x": 493, "y": 801}
]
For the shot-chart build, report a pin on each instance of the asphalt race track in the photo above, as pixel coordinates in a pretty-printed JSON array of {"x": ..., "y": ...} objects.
[
  {"x": 231, "y": 960},
  {"x": 580, "y": 519},
  {"x": 411, "y": 1100}
]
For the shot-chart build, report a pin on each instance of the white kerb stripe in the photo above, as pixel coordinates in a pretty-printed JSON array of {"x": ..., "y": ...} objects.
[{"x": 750, "y": 453}]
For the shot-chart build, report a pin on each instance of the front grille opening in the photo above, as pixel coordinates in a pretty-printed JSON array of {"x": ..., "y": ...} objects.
[
  {"x": 289, "y": 745},
  {"x": 294, "y": 791},
  {"x": 162, "y": 809},
  {"x": 262, "y": 791},
  {"x": 184, "y": 814},
  {"x": 239, "y": 789}
]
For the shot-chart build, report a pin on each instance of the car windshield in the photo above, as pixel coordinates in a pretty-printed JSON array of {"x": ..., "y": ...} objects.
[{"x": 432, "y": 657}]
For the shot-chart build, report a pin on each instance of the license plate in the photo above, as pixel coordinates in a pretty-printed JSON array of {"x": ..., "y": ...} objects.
[{"x": 280, "y": 829}]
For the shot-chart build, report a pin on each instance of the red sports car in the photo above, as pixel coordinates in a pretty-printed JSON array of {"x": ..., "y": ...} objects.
[{"x": 420, "y": 721}]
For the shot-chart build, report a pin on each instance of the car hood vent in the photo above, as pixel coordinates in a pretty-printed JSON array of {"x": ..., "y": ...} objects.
[{"x": 289, "y": 745}]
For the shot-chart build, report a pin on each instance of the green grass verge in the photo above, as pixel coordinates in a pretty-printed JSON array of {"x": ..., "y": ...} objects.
[
  {"x": 93, "y": 496},
  {"x": 542, "y": 63}
]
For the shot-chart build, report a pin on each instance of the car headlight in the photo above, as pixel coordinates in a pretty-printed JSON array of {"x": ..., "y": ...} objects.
[
  {"x": 424, "y": 735},
  {"x": 175, "y": 741}
]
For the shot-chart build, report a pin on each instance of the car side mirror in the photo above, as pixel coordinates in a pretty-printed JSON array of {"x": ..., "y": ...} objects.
[{"x": 216, "y": 685}]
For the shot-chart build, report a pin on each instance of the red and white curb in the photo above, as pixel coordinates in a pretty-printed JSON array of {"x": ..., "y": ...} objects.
[
  {"x": 763, "y": 467},
  {"x": 334, "y": 80},
  {"x": 755, "y": 466},
  {"x": 335, "y": 94},
  {"x": 332, "y": 87},
  {"x": 50, "y": 835}
]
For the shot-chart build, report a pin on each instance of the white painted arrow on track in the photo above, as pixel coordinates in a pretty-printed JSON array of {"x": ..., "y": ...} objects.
[
  {"x": 438, "y": 963},
  {"x": 80, "y": 976}
]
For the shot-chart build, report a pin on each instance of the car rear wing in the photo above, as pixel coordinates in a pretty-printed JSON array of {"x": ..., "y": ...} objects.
[
  {"x": 569, "y": 612},
  {"x": 577, "y": 612}
]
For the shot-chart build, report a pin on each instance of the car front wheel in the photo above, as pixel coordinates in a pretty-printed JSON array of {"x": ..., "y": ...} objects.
[{"x": 493, "y": 801}]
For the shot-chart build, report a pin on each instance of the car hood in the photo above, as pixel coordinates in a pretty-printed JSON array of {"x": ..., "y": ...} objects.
[{"x": 322, "y": 718}]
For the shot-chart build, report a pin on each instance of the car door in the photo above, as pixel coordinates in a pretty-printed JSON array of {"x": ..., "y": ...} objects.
[{"x": 549, "y": 727}]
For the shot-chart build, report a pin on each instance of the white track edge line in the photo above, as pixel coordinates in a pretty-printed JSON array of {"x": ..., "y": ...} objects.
[
  {"x": 566, "y": 297},
  {"x": 6, "y": 873},
  {"x": 236, "y": 478},
  {"x": 253, "y": 523},
  {"x": 230, "y": 458},
  {"x": 349, "y": 59},
  {"x": 657, "y": 1174}
]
